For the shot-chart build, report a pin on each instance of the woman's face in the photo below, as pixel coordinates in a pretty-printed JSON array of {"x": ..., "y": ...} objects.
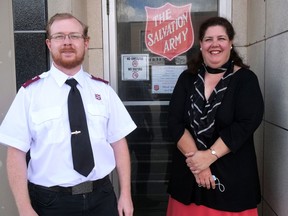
[{"x": 215, "y": 46}]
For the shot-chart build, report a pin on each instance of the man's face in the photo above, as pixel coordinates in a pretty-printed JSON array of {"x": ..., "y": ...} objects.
[{"x": 68, "y": 52}]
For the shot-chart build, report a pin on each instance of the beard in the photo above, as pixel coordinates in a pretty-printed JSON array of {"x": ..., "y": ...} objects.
[{"x": 68, "y": 63}]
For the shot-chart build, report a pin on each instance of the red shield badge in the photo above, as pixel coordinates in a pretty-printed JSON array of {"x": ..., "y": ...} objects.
[{"x": 169, "y": 30}]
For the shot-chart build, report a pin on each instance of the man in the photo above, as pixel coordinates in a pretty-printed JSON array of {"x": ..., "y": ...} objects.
[{"x": 39, "y": 120}]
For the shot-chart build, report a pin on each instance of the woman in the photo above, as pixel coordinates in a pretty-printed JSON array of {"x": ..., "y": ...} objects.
[{"x": 215, "y": 108}]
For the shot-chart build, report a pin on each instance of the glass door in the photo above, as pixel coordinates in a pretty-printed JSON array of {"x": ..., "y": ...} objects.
[{"x": 149, "y": 45}]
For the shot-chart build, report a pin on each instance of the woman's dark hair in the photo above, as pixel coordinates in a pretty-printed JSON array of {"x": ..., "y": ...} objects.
[{"x": 194, "y": 64}]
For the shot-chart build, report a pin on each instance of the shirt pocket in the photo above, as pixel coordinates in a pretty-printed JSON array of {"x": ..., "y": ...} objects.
[
  {"x": 97, "y": 119},
  {"x": 48, "y": 124},
  {"x": 46, "y": 115},
  {"x": 97, "y": 110}
]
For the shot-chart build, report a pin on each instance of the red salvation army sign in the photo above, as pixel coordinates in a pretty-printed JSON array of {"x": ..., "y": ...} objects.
[{"x": 169, "y": 30}]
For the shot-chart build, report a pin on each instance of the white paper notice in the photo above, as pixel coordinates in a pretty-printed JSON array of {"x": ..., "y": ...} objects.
[
  {"x": 165, "y": 77},
  {"x": 135, "y": 67}
]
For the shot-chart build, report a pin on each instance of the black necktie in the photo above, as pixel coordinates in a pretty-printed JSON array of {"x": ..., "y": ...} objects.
[{"x": 80, "y": 141}]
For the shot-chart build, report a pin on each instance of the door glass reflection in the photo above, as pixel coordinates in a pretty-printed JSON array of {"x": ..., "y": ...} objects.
[{"x": 150, "y": 145}]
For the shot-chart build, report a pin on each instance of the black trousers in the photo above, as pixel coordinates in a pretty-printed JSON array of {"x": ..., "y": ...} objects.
[{"x": 100, "y": 202}]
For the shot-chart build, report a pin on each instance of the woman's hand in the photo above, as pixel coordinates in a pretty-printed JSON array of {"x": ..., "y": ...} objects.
[
  {"x": 205, "y": 179},
  {"x": 199, "y": 160}
]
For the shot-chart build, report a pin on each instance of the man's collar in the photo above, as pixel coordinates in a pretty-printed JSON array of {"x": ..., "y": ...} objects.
[{"x": 60, "y": 77}]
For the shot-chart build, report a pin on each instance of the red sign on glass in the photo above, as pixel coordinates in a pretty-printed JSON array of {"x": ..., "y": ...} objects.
[{"x": 169, "y": 30}]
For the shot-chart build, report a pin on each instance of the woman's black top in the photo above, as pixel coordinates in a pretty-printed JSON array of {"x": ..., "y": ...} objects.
[{"x": 236, "y": 120}]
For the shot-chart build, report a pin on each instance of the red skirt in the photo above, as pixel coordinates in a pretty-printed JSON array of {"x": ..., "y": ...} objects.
[{"x": 176, "y": 208}]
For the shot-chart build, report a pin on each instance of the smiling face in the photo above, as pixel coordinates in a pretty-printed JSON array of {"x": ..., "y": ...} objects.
[
  {"x": 67, "y": 54},
  {"x": 215, "y": 46}
]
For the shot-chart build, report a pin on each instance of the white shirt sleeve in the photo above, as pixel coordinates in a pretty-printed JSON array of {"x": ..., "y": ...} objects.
[
  {"x": 120, "y": 122},
  {"x": 14, "y": 129}
]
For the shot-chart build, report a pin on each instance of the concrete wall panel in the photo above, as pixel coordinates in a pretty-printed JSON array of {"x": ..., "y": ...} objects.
[
  {"x": 275, "y": 169},
  {"x": 276, "y": 16},
  {"x": 276, "y": 76}
]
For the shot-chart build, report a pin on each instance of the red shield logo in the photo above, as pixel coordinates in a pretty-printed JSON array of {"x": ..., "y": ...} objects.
[
  {"x": 169, "y": 30},
  {"x": 156, "y": 87}
]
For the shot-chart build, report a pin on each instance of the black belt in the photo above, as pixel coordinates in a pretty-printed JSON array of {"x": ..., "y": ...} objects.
[{"x": 85, "y": 187}]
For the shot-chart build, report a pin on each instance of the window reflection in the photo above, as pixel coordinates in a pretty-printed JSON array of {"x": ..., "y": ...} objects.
[
  {"x": 150, "y": 145},
  {"x": 132, "y": 10}
]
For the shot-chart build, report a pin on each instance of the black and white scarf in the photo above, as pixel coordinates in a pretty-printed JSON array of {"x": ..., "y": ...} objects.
[{"x": 202, "y": 112}]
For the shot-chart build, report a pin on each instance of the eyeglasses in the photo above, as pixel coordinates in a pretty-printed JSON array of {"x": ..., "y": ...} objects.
[{"x": 71, "y": 36}]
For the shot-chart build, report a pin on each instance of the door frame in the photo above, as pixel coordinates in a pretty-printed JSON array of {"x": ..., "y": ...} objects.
[{"x": 109, "y": 23}]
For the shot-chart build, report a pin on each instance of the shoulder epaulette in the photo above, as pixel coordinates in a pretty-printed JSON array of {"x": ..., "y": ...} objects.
[
  {"x": 34, "y": 79},
  {"x": 99, "y": 79}
]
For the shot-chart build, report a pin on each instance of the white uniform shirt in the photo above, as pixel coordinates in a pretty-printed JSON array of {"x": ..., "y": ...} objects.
[{"x": 38, "y": 120}]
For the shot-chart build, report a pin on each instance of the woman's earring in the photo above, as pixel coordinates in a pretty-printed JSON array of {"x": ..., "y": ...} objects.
[{"x": 200, "y": 48}]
